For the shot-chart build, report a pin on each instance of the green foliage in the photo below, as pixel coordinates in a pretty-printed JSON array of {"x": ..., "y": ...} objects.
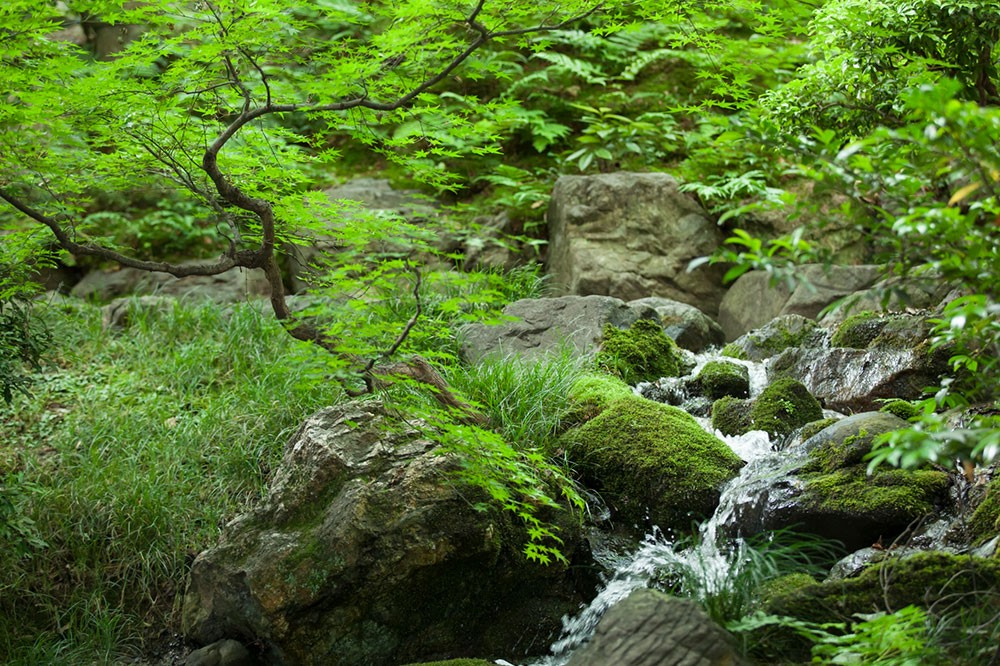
[
  {"x": 22, "y": 339},
  {"x": 608, "y": 138},
  {"x": 132, "y": 451},
  {"x": 641, "y": 353}
]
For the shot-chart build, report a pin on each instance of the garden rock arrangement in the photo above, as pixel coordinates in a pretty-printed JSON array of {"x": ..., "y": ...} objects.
[{"x": 364, "y": 553}]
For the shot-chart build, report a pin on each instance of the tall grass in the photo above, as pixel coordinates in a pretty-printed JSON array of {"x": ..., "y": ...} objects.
[{"x": 137, "y": 447}]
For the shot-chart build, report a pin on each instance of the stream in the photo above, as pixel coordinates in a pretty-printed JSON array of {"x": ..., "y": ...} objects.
[{"x": 713, "y": 559}]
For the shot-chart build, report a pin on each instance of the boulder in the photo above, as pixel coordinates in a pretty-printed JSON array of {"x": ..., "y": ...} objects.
[
  {"x": 752, "y": 301},
  {"x": 775, "y": 336},
  {"x": 229, "y": 287},
  {"x": 363, "y": 552},
  {"x": 653, "y": 464},
  {"x": 649, "y": 628},
  {"x": 827, "y": 490},
  {"x": 689, "y": 327},
  {"x": 226, "y": 652},
  {"x": 546, "y": 326},
  {"x": 631, "y": 235}
]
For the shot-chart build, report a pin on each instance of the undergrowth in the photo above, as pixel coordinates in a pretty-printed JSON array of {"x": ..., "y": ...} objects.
[{"x": 132, "y": 451}]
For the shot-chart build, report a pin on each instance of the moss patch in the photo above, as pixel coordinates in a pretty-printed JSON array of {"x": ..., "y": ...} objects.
[
  {"x": 641, "y": 353},
  {"x": 455, "y": 662},
  {"x": 784, "y": 406},
  {"x": 731, "y": 416},
  {"x": 859, "y": 330},
  {"x": 904, "y": 409},
  {"x": 733, "y": 350},
  {"x": 721, "y": 378},
  {"x": 920, "y": 580},
  {"x": 652, "y": 461},
  {"x": 985, "y": 521},
  {"x": 890, "y": 497},
  {"x": 591, "y": 394},
  {"x": 816, "y": 427}
]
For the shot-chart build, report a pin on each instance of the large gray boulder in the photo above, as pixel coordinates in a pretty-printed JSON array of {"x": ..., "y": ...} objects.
[
  {"x": 364, "y": 552},
  {"x": 631, "y": 235},
  {"x": 649, "y": 628},
  {"x": 752, "y": 301},
  {"x": 539, "y": 327}
]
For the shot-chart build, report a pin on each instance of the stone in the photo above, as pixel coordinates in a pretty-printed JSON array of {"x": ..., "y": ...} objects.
[
  {"x": 227, "y": 652},
  {"x": 364, "y": 552},
  {"x": 649, "y": 628},
  {"x": 780, "y": 333},
  {"x": 653, "y": 464},
  {"x": 229, "y": 287},
  {"x": 690, "y": 328},
  {"x": 752, "y": 301},
  {"x": 540, "y": 327},
  {"x": 631, "y": 235},
  {"x": 119, "y": 312}
]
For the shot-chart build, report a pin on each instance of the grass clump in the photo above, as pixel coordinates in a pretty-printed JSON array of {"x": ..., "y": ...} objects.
[
  {"x": 137, "y": 447},
  {"x": 641, "y": 353}
]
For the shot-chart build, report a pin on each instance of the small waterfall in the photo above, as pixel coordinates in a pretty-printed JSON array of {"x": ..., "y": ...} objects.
[{"x": 710, "y": 562}]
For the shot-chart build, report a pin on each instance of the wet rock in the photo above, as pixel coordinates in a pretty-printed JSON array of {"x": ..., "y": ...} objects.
[
  {"x": 689, "y": 327},
  {"x": 653, "y": 464},
  {"x": 650, "y": 628},
  {"x": 631, "y": 235},
  {"x": 831, "y": 494},
  {"x": 363, "y": 552},
  {"x": 547, "y": 326},
  {"x": 775, "y": 336}
]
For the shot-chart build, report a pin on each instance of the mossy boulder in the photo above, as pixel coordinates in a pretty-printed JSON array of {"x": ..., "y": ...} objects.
[
  {"x": 640, "y": 353},
  {"x": 780, "y": 333},
  {"x": 921, "y": 580},
  {"x": 731, "y": 416},
  {"x": 859, "y": 330},
  {"x": 651, "y": 462},
  {"x": 721, "y": 378},
  {"x": 786, "y": 404},
  {"x": 591, "y": 394},
  {"x": 985, "y": 521},
  {"x": 455, "y": 662}
]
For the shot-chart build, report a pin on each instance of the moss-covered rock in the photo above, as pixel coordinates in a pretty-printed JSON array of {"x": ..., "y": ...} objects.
[
  {"x": 783, "y": 586},
  {"x": 455, "y": 662},
  {"x": 721, "y": 378},
  {"x": 651, "y": 461},
  {"x": 813, "y": 428},
  {"x": 783, "y": 406},
  {"x": 731, "y": 416},
  {"x": 777, "y": 335},
  {"x": 641, "y": 353},
  {"x": 920, "y": 580},
  {"x": 904, "y": 409},
  {"x": 985, "y": 521},
  {"x": 591, "y": 394},
  {"x": 859, "y": 330}
]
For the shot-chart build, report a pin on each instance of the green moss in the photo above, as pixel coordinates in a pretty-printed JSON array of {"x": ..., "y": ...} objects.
[
  {"x": 733, "y": 350},
  {"x": 776, "y": 336},
  {"x": 652, "y": 461},
  {"x": 642, "y": 353},
  {"x": 784, "y": 585},
  {"x": 836, "y": 453},
  {"x": 591, "y": 394},
  {"x": 784, "y": 406},
  {"x": 985, "y": 521},
  {"x": 889, "y": 496},
  {"x": 859, "y": 330},
  {"x": 904, "y": 409},
  {"x": 721, "y": 378},
  {"x": 816, "y": 427},
  {"x": 920, "y": 580},
  {"x": 731, "y": 416}
]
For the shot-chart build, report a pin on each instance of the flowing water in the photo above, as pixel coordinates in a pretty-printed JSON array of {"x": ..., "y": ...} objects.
[{"x": 713, "y": 558}]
